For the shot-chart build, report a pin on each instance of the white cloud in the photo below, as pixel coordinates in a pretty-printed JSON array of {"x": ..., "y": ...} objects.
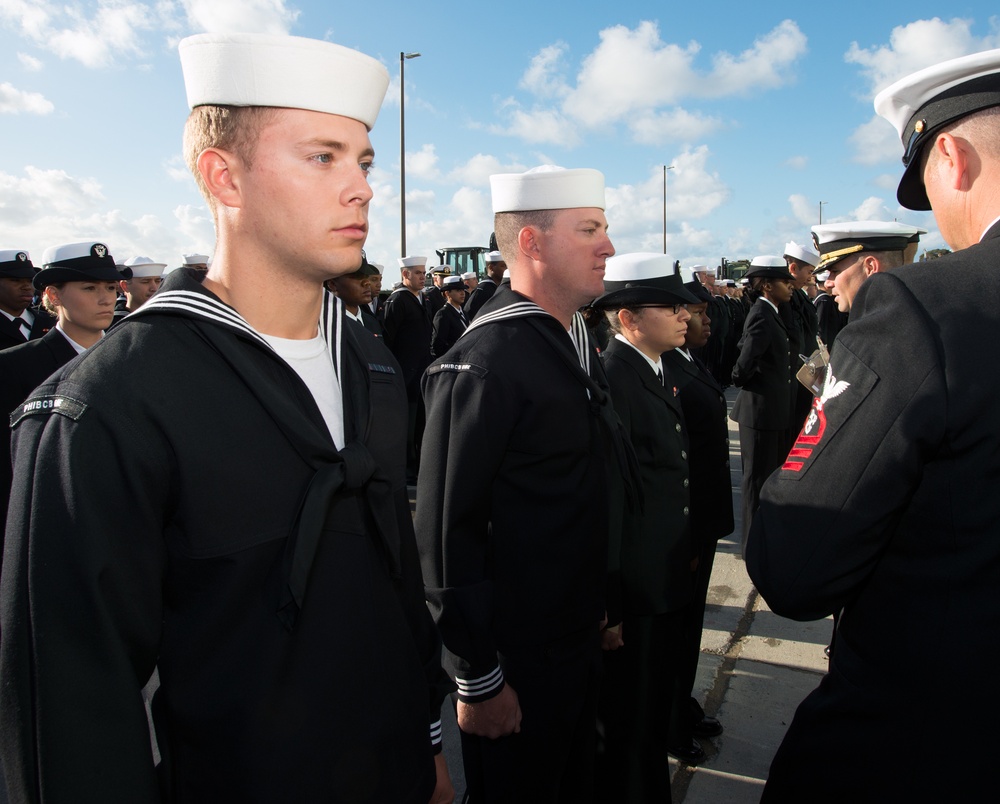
[
  {"x": 30, "y": 63},
  {"x": 46, "y": 207},
  {"x": 547, "y": 126},
  {"x": 871, "y": 209},
  {"x": 542, "y": 78},
  {"x": 678, "y": 125},
  {"x": 634, "y": 71},
  {"x": 236, "y": 16},
  {"x": 16, "y": 101},
  {"x": 635, "y": 212},
  {"x": 479, "y": 168},
  {"x": 887, "y": 181},
  {"x": 423, "y": 163},
  {"x": 875, "y": 141},
  {"x": 915, "y": 46},
  {"x": 95, "y": 40},
  {"x": 767, "y": 64},
  {"x": 804, "y": 210},
  {"x": 797, "y": 162}
]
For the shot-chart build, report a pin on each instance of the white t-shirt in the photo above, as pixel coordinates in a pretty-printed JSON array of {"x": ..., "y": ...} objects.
[{"x": 312, "y": 362}]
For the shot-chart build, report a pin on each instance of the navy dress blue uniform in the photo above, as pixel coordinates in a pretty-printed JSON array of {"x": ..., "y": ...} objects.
[
  {"x": 651, "y": 551},
  {"x": 829, "y": 319},
  {"x": 483, "y": 293},
  {"x": 12, "y": 335},
  {"x": 22, "y": 369},
  {"x": 449, "y": 324},
  {"x": 884, "y": 510},
  {"x": 242, "y": 588},
  {"x": 763, "y": 407},
  {"x": 408, "y": 331},
  {"x": 705, "y": 416},
  {"x": 512, "y": 523}
]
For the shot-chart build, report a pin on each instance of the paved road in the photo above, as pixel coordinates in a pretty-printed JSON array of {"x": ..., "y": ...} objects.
[{"x": 755, "y": 668}]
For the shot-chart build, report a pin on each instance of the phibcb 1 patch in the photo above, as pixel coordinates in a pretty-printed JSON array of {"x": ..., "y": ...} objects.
[
  {"x": 479, "y": 371},
  {"x": 44, "y": 405}
]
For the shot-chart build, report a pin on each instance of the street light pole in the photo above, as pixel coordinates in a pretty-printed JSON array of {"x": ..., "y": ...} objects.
[
  {"x": 665, "y": 169},
  {"x": 402, "y": 154},
  {"x": 821, "y": 211}
]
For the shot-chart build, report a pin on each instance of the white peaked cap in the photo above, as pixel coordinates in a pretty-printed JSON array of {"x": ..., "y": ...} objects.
[
  {"x": 293, "y": 72},
  {"x": 143, "y": 267},
  {"x": 801, "y": 253},
  {"x": 547, "y": 187},
  {"x": 412, "y": 262},
  {"x": 637, "y": 267}
]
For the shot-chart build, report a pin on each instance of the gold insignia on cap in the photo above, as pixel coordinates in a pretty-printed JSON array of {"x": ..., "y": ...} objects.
[{"x": 919, "y": 126}]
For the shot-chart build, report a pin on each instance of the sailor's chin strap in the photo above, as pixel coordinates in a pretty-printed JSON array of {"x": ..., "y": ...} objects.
[{"x": 355, "y": 470}]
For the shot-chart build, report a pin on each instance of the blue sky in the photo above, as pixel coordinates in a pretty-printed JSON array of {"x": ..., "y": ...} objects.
[{"x": 763, "y": 112}]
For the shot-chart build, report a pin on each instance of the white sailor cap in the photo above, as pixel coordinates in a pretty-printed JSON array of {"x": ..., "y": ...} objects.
[
  {"x": 801, "y": 253},
  {"x": 143, "y": 267},
  {"x": 378, "y": 267},
  {"x": 195, "y": 259},
  {"x": 468, "y": 275},
  {"x": 838, "y": 240},
  {"x": 247, "y": 69},
  {"x": 688, "y": 272},
  {"x": 494, "y": 256},
  {"x": 547, "y": 187},
  {"x": 920, "y": 104},
  {"x": 15, "y": 263},
  {"x": 769, "y": 266},
  {"x": 412, "y": 262}
]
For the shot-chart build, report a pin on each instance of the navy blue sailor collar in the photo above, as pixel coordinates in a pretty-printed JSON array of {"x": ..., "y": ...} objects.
[{"x": 183, "y": 294}]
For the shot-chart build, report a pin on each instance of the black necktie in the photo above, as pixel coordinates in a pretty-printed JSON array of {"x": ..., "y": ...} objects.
[
  {"x": 20, "y": 322},
  {"x": 659, "y": 376}
]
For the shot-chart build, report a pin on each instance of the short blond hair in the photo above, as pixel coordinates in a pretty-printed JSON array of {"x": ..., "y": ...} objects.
[{"x": 230, "y": 128}]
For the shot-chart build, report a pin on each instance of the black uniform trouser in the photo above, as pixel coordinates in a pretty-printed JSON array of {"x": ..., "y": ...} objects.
[
  {"x": 761, "y": 451},
  {"x": 637, "y": 693},
  {"x": 551, "y": 760},
  {"x": 682, "y": 720}
]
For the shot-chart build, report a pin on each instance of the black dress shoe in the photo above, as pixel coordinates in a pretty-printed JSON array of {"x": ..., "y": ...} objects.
[
  {"x": 707, "y": 727},
  {"x": 692, "y": 755}
]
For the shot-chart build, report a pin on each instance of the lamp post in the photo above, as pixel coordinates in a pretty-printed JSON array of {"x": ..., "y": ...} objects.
[
  {"x": 402, "y": 155},
  {"x": 665, "y": 169},
  {"x": 821, "y": 211}
]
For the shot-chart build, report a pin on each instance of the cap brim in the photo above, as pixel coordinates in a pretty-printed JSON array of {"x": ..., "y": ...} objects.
[{"x": 911, "y": 192}]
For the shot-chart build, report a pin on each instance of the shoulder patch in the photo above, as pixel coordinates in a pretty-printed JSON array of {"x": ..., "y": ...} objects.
[
  {"x": 380, "y": 368},
  {"x": 44, "y": 405},
  {"x": 841, "y": 396},
  {"x": 479, "y": 371}
]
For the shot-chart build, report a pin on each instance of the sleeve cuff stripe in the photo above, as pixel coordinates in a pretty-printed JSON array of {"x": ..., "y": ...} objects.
[
  {"x": 435, "y": 732},
  {"x": 478, "y": 686}
]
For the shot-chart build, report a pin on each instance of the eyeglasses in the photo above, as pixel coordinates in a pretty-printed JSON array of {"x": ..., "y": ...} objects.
[{"x": 674, "y": 308}]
